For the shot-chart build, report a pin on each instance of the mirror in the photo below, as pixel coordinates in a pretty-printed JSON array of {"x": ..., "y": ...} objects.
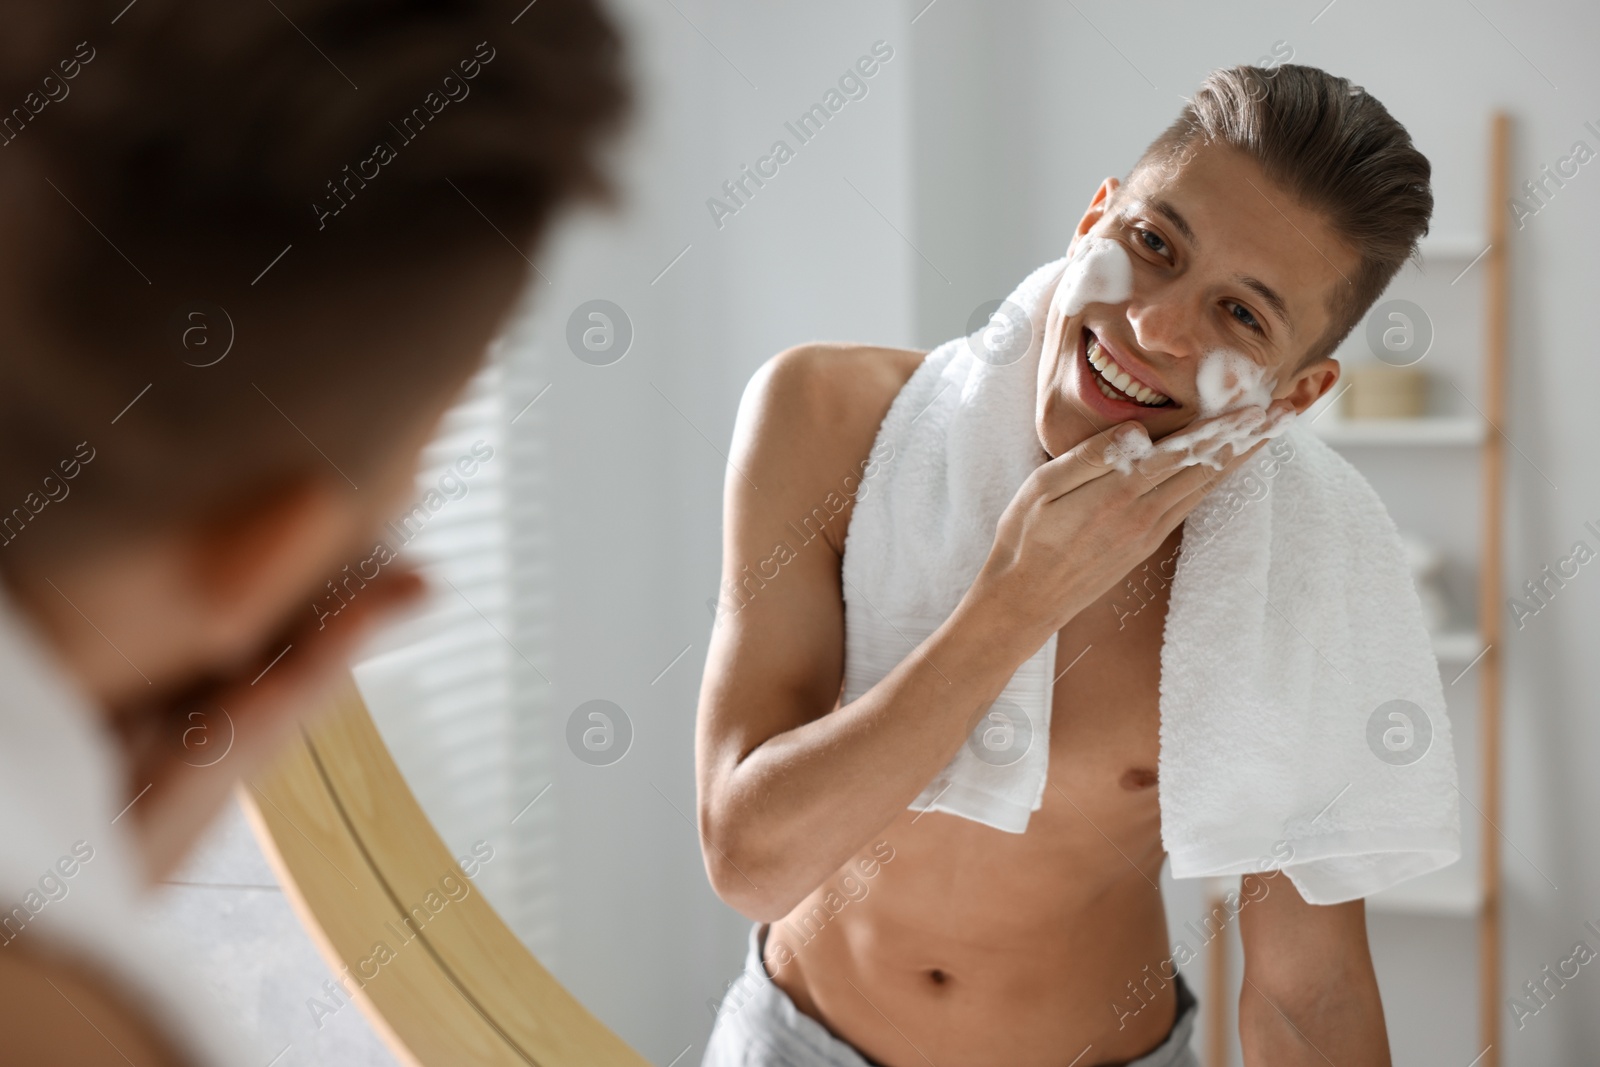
[{"x": 542, "y": 707}]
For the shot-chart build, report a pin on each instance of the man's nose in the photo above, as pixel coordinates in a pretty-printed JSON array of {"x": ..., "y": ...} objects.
[{"x": 1169, "y": 321}]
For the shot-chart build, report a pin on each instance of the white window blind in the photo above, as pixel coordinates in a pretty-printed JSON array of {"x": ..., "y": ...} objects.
[{"x": 453, "y": 693}]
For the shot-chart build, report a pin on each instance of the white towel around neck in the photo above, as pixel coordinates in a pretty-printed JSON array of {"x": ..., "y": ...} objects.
[{"x": 1292, "y": 625}]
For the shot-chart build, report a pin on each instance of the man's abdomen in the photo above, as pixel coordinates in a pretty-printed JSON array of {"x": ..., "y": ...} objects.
[{"x": 970, "y": 946}]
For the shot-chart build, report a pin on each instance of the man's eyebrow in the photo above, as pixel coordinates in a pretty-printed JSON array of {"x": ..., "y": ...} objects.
[
  {"x": 1170, "y": 213},
  {"x": 1270, "y": 296}
]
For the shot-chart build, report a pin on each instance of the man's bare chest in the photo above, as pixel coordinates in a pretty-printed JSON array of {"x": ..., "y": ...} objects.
[{"x": 1105, "y": 713}]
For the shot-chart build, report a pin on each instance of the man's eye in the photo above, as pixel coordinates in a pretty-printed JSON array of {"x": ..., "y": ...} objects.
[
  {"x": 1242, "y": 313},
  {"x": 1153, "y": 241}
]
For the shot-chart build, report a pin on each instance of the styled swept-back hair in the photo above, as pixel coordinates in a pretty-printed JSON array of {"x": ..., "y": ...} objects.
[{"x": 1334, "y": 148}]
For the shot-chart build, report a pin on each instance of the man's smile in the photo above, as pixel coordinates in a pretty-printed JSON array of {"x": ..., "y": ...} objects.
[{"x": 1117, "y": 382}]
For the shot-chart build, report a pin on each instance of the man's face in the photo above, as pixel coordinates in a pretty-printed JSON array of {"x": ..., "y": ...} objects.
[{"x": 1222, "y": 259}]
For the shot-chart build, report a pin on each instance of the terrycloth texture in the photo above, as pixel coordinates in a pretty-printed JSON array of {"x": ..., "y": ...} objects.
[
  {"x": 961, "y": 439},
  {"x": 1292, "y": 623}
]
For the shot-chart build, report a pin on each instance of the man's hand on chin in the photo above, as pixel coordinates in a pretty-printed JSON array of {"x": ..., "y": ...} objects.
[
  {"x": 1309, "y": 995},
  {"x": 184, "y": 753}
]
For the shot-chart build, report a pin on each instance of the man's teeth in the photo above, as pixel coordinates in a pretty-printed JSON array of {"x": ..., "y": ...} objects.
[{"x": 1120, "y": 378}]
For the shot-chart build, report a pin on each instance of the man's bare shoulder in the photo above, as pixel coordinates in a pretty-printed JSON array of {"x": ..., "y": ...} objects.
[
  {"x": 811, "y": 413},
  {"x": 58, "y": 1011},
  {"x": 838, "y": 392},
  {"x": 860, "y": 368}
]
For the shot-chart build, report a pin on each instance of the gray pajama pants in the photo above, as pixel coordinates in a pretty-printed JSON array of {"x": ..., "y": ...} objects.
[{"x": 759, "y": 1026}]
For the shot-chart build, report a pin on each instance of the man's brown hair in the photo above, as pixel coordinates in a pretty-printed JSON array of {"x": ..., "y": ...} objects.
[
  {"x": 1333, "y": 147},
  {"x": 295, "y": 166}
]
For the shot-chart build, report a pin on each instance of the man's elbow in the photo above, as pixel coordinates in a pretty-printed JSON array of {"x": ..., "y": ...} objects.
[
  {"x": 733, "y": 884},
  {"x": 736, "y": 869}
]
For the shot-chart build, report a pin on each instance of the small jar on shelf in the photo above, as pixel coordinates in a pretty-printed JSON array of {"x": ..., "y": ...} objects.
[{"x": 1381, "y": 391}]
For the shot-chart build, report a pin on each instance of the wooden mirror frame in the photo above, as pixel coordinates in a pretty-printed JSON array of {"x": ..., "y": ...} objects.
[{"x": 354, "y": 852}]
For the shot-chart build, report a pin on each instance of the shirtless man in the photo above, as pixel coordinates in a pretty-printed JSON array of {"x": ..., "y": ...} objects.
[{"x": 1267, "y": 219}]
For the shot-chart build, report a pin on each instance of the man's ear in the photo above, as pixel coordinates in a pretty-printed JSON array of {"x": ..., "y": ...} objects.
[
  {"x": 1312, "y": 382},
  {"x": 249, "y": 562},
  {"x": 1096, "y": 209}
]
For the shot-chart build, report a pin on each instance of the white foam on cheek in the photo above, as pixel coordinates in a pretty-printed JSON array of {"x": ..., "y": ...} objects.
[
  {"x": 1228, "y": 380},
  {"x": 1099, "y": 272}
]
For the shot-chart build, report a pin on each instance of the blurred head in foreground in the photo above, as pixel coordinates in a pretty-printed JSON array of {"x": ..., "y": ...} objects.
[{"x": 248, "y": 256}]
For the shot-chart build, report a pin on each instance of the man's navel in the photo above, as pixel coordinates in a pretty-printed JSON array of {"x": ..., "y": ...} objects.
[{"x": 1136, "y": 778}]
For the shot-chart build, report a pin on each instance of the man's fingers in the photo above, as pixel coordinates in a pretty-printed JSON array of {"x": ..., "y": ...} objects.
[
  {"x": 1217, "y": 442},
  {"x": 1212, "y": 441},
  {"x": 1181, "y": 493},
  {"x": 1093, "y": 458},
  {"x": 1127, "y": 448}
]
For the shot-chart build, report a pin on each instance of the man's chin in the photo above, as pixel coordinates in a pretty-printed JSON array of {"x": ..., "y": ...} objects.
[
  {"x": 1068, "y": 424},
  {"x": 1074, "y": 420}
]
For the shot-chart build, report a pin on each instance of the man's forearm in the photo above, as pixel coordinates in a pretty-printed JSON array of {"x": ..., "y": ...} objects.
[
  {"x": 1327, "y": 1019},
  {"x": 1310, "y": 994},
  {"x": 801, "y": 803}
]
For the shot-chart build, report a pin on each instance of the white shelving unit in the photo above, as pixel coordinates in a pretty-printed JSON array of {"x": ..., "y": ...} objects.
[{"x": 1434, "y": 430}]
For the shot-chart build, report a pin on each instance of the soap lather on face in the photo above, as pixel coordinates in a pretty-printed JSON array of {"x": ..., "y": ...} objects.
[
  {"x": 1230, "y": 385},
  {"x": 1228, "y": 380},
  {"x": 1099, "y": 272}
]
